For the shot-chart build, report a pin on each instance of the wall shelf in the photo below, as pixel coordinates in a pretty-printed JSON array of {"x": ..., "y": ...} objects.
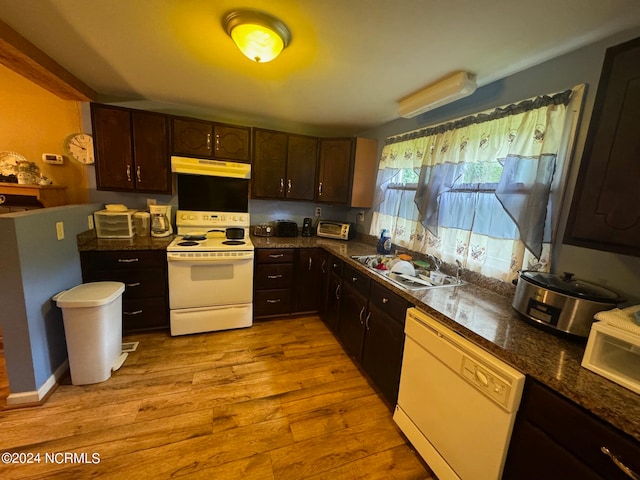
[{"x": 47, "y": 195}]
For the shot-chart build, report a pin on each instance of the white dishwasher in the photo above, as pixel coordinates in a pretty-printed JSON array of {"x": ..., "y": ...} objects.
[{"x": 457, "y": 403}]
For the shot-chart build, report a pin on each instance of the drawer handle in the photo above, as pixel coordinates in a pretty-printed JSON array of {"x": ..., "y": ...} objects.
[
  {"x": 128, "y": 173},
  {"x": 628, "y": 472},
  {"x": 289, "y": 185},
  {"x": 134, "y": 284},
  {"x": 208, "y": 141},
  {"x": 338, "y": 292},
  {"x": 310, "y": 262},
  {"x": 217, "y": 142},
  {"x": 385, "y": 300},
  {"x": 281, "y": 185},
  {"x": 127, "y": 260},
  {"x": 273, "y": 277},
  {"x": 362, "y": 313},
  {"x": 136, "y": 312},
  {"x": 274, "y": 300},
  {"x": 276, "y": 255},
  {"x": 366, "y": 321}
]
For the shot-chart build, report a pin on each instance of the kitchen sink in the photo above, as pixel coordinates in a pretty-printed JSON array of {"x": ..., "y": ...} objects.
[{"x": 408, "y": 277}]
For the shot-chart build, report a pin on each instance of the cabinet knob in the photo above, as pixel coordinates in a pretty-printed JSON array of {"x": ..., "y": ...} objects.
[
  {"x": 385, "y": 300},
  {"x": 354, "y": 279}
]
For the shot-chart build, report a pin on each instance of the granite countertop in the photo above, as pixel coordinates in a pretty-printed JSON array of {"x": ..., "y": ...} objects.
[
  {"x": 487, "y": 319},
  {"x": 88, "y": 241},
  {"x": 483, "y": 316}
]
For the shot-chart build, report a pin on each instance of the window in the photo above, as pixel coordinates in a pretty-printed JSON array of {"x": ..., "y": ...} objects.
[{"x": 479, "y": 189}]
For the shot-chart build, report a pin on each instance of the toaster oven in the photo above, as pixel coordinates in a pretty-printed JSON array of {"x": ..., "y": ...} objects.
[{"x": 337, "y": 230}]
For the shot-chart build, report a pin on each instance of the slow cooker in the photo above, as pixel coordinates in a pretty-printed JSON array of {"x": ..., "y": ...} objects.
[{"x": 561, "y": 304}]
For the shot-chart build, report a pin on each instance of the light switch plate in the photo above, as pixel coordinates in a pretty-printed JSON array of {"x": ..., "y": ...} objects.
[{"x": 60, "y": 230}]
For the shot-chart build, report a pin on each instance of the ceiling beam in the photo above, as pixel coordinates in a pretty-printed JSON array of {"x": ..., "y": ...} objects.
[{"x": 23, "y": 57}]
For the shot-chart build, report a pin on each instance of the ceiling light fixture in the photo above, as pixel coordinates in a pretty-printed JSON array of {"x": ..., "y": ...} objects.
[
  {"x": 258, "y": 35},
  {"x": 450, "y": 89}
]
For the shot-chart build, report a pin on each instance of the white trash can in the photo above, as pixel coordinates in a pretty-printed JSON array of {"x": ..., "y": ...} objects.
[{"x": 92, "y": 314}]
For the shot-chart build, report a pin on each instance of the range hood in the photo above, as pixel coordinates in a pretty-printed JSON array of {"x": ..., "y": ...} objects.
[{"x": 216, "y": 168}]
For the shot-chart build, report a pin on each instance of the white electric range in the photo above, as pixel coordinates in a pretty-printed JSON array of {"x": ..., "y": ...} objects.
[{"x": 210, "y": 269}]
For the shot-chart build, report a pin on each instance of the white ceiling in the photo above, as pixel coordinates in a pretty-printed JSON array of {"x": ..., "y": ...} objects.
[{"x": 348, "y": 63}]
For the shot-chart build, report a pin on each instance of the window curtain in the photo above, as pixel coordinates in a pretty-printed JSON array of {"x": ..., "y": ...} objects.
[{"x": 483, "y": 192}]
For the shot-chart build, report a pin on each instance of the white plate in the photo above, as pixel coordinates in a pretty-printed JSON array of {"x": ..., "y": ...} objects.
[{"x": 9, "y": 162}]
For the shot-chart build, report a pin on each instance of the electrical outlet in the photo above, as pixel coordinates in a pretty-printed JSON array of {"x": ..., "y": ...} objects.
[
  {"x": 90, "y": 222},
  {"x": 361, "y": 216},
  {"x": 60, "y": 230},
  {"x": 318, "y": 211}
]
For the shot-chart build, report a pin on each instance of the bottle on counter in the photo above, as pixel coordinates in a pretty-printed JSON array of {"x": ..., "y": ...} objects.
[{"x": 384, "y": 244}]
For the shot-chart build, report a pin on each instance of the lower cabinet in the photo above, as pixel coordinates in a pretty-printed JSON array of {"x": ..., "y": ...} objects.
[
  {"x": 332, "y": 295},
  {"x": 272, "y": 282},
  {"x": 288, "y": 281},
  {"x": 145, "y": 301},
  {"x": 371, "y": 329},
  {"x": 555, "y": 439}
]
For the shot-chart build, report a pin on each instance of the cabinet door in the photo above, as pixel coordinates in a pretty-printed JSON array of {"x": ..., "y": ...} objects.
[
  {"x": 269, "y": 164},
  {"x": 311, "y": 269},
  {"x": 192, "y": 137},
  {"x": 151, "y": 152},
  {"x": 301, "y": 167},
  {"x": 232, "y": 143},
  {"x": 605, "y": 212},
  {"x": 384, "y": 340},
  {"x": 351, "y": 317},
  {"x": 330, "y": 315},
  {"x": 113, "y": 147},
  {"x": 334, "y": 171}
]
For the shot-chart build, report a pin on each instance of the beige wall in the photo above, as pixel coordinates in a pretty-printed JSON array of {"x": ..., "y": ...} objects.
[{"x": 34, "y": 121}]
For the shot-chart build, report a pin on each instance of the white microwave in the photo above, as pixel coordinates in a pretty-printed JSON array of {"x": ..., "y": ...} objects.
[{"x": 337, "y": 230}]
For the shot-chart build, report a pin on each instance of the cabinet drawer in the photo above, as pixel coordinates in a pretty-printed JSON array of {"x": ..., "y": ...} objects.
[
  {"x": 145, "y": 314},
  {"x": 124, "y": 259},
  {"x": 356, "y": 279},
  {"x": 387, "y": 301},
  {"x": 579, "y": 432},
  {"x": 271, "y": 302},
  {"x": 137, "y": 283},
  {"x": 275, "y": 255},
  {"x": 273, "y": 275}
]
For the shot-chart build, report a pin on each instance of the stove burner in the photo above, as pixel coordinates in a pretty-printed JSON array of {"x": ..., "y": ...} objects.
[
  {"x": 233, "y": 242},
  {"x": 187, "y": 244}
]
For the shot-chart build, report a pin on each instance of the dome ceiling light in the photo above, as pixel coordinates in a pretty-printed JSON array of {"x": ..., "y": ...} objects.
[{"x": 258, "y": 35}]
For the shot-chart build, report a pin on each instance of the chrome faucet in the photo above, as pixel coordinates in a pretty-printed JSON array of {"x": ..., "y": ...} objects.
[
  {"x": 436, "y": 261},
  {"x": 458, "y": 271}
]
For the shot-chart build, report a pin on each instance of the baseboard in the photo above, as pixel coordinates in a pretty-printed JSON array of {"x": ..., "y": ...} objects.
[{"x": 37, "y": 397}]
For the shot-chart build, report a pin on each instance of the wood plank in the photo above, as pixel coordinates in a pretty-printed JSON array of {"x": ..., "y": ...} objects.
[{"x": 23, "y": 57}]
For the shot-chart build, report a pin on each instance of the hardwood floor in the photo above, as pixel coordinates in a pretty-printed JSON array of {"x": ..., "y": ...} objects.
[{"x": 278, "y": 401}]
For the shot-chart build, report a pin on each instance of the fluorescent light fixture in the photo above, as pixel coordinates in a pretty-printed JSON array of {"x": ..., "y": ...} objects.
[
  {"x": 445, "y": 91},
  {"x": 259, "y": 36}
]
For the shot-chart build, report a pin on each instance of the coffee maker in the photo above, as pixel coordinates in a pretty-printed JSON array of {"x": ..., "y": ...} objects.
[
  {"x": 307, "y": 229},
  {"x": 160, "y": 220}
]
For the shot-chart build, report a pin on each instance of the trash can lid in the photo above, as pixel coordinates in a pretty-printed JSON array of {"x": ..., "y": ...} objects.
[{"x": 91, "y": 294}]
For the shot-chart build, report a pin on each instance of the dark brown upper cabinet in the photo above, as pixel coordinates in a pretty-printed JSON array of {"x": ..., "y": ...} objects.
[
  {"x": 201, "y": 138},
  {"x": 347, "y": 169},
  {"x": 131, "y": 149},
  {"x": 605, "y": 212},
  {"x": 284, "y": 165}
]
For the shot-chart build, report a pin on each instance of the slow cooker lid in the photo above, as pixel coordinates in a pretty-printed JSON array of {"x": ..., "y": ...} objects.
[{"x": 571, "y": 286}]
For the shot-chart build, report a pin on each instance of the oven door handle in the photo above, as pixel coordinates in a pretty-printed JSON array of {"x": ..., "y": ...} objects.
[{"x": 213, "y": 259}]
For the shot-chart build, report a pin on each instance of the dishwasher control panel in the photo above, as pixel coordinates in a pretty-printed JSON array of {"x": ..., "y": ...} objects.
[{"x": 486, "y": 381}]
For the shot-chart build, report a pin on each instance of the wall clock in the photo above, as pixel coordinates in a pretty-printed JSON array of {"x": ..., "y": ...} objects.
[{"x": 80, "y": 147}]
